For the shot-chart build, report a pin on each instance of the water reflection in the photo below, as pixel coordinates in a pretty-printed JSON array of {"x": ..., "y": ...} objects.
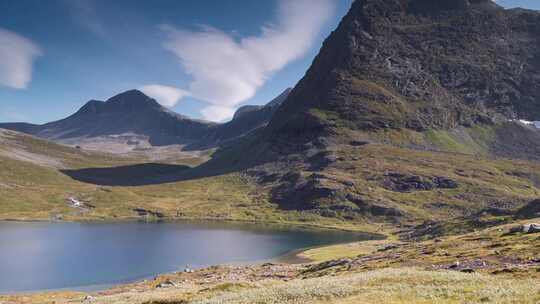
[{"x": 38, "y": 256}]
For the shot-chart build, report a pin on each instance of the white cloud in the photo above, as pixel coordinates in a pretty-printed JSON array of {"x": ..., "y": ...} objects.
[
  {"x": 17, "y": 55},
  {"x": 217, "y": 113},
  {"x": 227, "y": 71},
  {"x": 166, "y": 96}
]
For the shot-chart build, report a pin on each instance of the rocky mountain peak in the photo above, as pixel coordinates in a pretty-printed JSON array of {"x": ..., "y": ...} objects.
[
  {"x": 419, "y": 65},
  {"x": 426, "y": 6},
  {"x": 385, "y": 7},
  {"x": 91, "y": 107},
  {"x": 132, "y": 100}
]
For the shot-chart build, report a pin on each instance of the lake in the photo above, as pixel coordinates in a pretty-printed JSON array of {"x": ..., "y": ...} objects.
[{"x": 86, "y": 256}]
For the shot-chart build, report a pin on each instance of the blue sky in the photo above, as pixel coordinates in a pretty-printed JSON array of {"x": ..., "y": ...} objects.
[{"x": 203, "y": 58}]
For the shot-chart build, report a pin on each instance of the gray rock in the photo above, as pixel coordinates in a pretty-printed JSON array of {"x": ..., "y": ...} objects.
[
  {"x": 166, "y": 284},
  {"x": 467, "y": 270},
  {"x": 88, "y": 298},
  {"x": 526, "y": 228},
  {"x": 530, "y": 210}
]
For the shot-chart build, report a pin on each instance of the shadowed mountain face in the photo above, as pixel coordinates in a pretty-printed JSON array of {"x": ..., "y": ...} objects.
[
  {"x": 246, "y": 120},
  {"x": 272, "y": 105},
  {"x": 419, "y": 65},
  {"x": 134, "y": 113},
  {"x": 131, "y": 112}
]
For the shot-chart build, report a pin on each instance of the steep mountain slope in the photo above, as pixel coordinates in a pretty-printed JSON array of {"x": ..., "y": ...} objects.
[
  {"x": 405, "y": 101},
  {"x": 246, "y": 120},
  {"x": 412, "y": 65}
]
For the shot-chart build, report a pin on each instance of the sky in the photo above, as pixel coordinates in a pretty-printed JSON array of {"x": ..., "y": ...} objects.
[{"x": 201, "y": 58}]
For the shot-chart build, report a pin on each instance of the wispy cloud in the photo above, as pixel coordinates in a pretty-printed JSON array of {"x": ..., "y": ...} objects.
[
  {"x": 85, "y": 14},
  {"x": 17, "y": 55},
  {"x": 166, "y": 96},
  {"x": 227, "y": 71}
]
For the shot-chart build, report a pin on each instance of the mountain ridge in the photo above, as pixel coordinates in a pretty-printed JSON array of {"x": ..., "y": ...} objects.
[
  {"x": 132, "y": 113},
  {"x": 406, "y": 65}
]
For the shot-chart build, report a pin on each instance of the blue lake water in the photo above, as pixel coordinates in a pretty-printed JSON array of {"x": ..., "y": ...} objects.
[{"x": 41, "y": 256}]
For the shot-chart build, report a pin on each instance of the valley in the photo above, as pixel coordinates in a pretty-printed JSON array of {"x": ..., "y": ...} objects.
[{"x": 415, "y": 122}]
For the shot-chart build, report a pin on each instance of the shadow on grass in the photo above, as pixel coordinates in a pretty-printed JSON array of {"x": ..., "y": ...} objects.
[
  {"x": 231, "y": 158},
  {"x": 132, "y": 175}
]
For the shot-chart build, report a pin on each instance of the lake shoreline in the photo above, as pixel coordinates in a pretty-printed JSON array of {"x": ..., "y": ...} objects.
[
  {"x": 294, "y": 257},
  {"x": 200, "y": 220},
  {"x": 291, "y": 257}
]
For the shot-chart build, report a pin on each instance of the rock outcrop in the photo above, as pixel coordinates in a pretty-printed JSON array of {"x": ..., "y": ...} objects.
[
  {"x": 418, "y": 65},
  {"x": 530, "y": 210}
]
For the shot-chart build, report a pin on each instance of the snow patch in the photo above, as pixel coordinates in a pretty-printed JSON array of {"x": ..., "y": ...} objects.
[{"x": 534, "y": 123}]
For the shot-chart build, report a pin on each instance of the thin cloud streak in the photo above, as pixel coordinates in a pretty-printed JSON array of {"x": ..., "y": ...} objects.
[
  {"x": 17, "y": 55},
  {"x": 85, "y": 14},
  {"x": 165, "y": 95},
  {"x": 227, "y": 71}
]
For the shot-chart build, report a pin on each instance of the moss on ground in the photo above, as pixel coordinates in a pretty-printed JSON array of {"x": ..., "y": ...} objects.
[{"x": 408, "y": 285}]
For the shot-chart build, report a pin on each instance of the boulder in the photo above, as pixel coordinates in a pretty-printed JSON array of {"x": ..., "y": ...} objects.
[
  {"x": 166, "y": 284},
  {"x": 328, "y": 265},
  {"x": 531, "y": 228},
  {"x": 445, "y": 183},
  {"x": 407, "y": 182},
  {"x": 359, "y": 143},
  {"x": 530, "y": 210},
  {"x": 526, "y": 228},
  {"x": 404, "y": 183},
  {"x": 467, "y": 270}
]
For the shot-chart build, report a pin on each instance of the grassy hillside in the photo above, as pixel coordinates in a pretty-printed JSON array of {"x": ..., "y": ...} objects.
[
  {"x": 34, "y": 186},
  {"x": 38, "y": 177},
  {"x": 430, "y": 229},
  {"x": 31, "y": 188}
]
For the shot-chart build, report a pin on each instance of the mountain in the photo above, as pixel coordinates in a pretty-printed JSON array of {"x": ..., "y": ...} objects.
[
  {"x": 420, "y": 65},
  {"x": 130, "y": 112},
  {"x": 404, "y": 114},
  {"x": 272, "y": 105},
  {"x": 135, "y": 119},
  {"x": 246, "y": 120}
]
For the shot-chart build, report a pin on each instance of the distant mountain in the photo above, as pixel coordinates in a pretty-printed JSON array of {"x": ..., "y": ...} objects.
[
  {"x": 246, "y": 119},
  {"x": 272, "y": 105},
  {"x": 132, "y": 117},
  {"x": 130, "y": 112}
]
